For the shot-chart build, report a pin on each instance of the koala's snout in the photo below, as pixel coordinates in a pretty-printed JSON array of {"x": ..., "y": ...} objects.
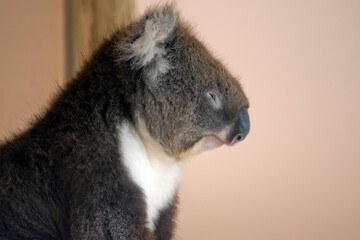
[{"x": 241, "y": 127}]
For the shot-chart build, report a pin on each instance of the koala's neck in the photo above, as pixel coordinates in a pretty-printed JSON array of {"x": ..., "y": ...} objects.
[{"x": 153, "y": 171}]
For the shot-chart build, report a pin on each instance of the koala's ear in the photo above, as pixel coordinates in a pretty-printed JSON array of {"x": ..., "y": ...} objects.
[{"x": 147, "y": 51}]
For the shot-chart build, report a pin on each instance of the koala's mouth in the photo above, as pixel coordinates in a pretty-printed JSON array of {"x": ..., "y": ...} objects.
[
  {"x": 226, "y": 136},
  {"x": 217, "y": 139},
  {"x": 211, "y": 142}
]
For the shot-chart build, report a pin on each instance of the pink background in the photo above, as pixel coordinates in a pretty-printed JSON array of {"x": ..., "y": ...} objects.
[{"x": 297, "y": 175}]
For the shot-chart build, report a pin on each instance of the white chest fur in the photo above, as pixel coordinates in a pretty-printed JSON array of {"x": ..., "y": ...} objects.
[{"x": 156, "y": 174}]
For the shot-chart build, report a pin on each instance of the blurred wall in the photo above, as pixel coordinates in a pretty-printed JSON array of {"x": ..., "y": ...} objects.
[
  {"x": 31, "y": 59},
  {"x": 297, "y": 175},
  {"x": 87, "y": 23}
]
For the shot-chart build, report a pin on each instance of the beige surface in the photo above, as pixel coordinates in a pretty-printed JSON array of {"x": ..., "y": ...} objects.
[{"x": 297, "y": 175}]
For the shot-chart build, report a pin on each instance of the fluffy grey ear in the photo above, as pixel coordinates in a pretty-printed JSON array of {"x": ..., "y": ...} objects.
[{"x": 147, "y": 51}]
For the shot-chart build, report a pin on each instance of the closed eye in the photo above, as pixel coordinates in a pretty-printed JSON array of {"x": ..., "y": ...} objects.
[{"x": 213, "y": 100}]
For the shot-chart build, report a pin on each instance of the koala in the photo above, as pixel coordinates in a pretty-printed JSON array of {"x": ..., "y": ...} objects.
[{"x": 104, "y": 161}]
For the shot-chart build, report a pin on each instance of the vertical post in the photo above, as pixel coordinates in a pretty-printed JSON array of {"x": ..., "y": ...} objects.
[{"x": 88, "y": 22}]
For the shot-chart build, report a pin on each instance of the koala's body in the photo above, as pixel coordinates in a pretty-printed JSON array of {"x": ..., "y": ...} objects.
[{"x": 104, "y": 162}]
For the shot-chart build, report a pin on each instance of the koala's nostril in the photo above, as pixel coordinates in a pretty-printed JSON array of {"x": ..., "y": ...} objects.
[{"x": 237, "y": 139}]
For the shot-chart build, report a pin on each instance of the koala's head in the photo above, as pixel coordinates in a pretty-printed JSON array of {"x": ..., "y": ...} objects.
[{"x": 186, "y": 99}]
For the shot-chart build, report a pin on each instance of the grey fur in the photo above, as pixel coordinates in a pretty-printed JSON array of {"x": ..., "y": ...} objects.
[{"x": 64, "y": 177}]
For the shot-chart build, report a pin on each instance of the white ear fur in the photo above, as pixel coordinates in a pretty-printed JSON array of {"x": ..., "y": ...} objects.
[{"x": 146, "y": 51}]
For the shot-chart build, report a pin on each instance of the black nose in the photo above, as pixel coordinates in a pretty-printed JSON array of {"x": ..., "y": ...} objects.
[{"x": 242, "y": 127}]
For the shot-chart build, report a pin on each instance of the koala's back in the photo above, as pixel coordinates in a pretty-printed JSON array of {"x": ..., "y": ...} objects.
[
  {"x": 56, "y": 175},
  {"x": 63, "y": 178}
]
